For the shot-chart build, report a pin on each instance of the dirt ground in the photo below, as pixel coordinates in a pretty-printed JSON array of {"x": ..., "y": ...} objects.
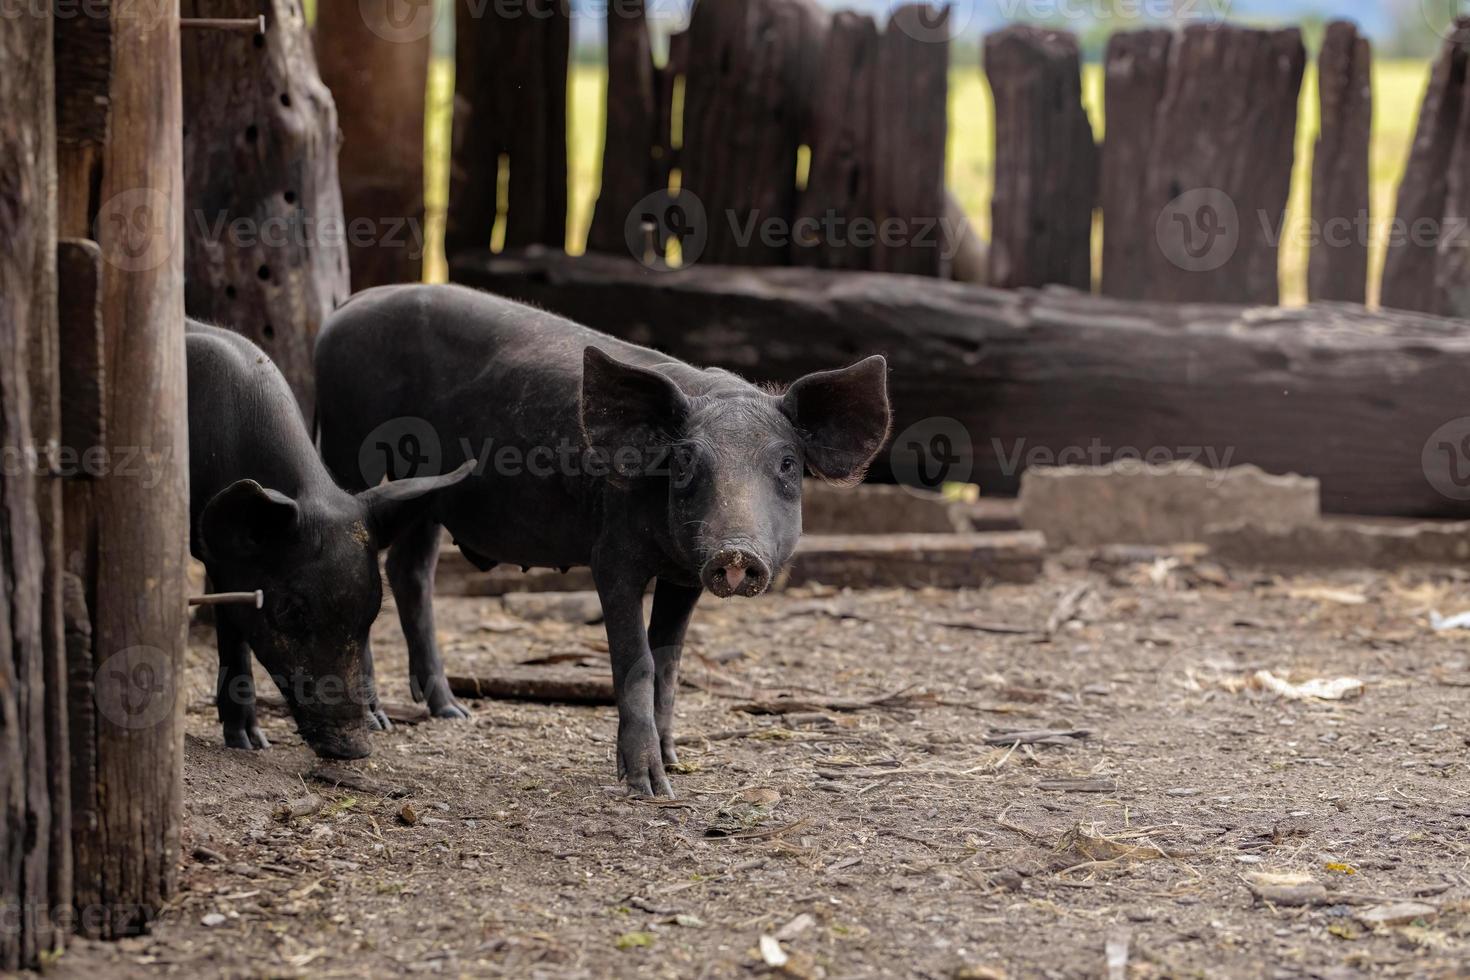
[{"x": 890, "y": 840}]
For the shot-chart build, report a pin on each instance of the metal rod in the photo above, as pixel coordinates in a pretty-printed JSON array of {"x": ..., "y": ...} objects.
[
  {"x": 255, "y": 25},
  {"x": 256, "y": 599}
]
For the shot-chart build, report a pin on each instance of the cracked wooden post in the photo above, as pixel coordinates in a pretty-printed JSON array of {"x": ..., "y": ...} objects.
[
  {"x": 1338, "y": 268},
  {"x": 119, "y": 168},
  {"x": 265, "y": 238}
]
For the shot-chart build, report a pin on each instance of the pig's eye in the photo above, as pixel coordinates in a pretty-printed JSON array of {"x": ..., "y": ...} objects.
[
  {"x": 789, "y": 465},
  {"x": 681, "y": 466}
]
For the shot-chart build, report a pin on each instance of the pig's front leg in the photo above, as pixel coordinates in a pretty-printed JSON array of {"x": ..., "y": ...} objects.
[
  {"x": 411, "y": 563},
  {"x": 235, "y": 694},
  {"x": 672, "y": 606},
  {"x": 639, "y": 760},
  {"x": 377, "y": 719}
]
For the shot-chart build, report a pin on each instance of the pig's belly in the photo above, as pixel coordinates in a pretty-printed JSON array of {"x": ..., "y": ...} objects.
[{"x": 534, "y": 524}]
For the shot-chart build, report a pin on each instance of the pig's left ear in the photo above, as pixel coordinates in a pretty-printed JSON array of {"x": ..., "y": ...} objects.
[
  {"x": 393, "y": 507},
  {"x": 842, "y": 417}
]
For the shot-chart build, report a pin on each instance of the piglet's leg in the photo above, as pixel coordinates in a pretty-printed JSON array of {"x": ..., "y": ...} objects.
[
  {"x": 672, "y": 607},
  {"x": 411, "y": 564},
  {"x": 377, "y": 719},
  {"x": 639, "y": 760},
  {"x": 235, "y": 694}
]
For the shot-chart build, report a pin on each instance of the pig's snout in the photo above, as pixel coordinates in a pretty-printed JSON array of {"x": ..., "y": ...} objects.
[
  {"x": 736, "y": 571},
  {"x": 334, "y": 742}
]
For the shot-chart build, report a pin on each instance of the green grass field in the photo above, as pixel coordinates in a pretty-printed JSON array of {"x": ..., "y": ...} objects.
[{"x": 1397, "y": 90}]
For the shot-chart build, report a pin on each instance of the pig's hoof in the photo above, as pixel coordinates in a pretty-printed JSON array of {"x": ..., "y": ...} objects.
[
  {"x": 377, "y": 720},
  {"x": 666, "y": 749},
  {"x": 643, "y": 772},
  {"x": 451, "y": 709},
  {"x": 246, "y": 737}
]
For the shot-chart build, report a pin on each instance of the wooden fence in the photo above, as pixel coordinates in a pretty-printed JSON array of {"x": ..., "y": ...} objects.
[{"x": 1191, "y": 183}]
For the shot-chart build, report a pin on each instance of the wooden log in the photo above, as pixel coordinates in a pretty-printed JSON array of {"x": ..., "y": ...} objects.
[
  {"x": 914, "y": 561},
  {"x": 510, "y": 110},
  {"x": 126, "y": 531},
  {"x": 1219, "y": 168},
  {"x": 839, "y": 188},
  {"x": 748, "y": 82},
  {"x": 1333, "y": 391},
  {"x": 909, "y": 138},
  {"x": 630, "y": 171},
  {"x": 1135, "y": 70},
  {"x": 83, "y": 381},
  {"x": 1046, "y": 166},
  {"x": 376, "y": 65},
  {"x": 34, "y": 832},
  {"x": 1410, "y": 267},
  {"x": 551, "y": 685},
  {"x": 265, "y": 240},
  {"x": 1338, "y": 268}
]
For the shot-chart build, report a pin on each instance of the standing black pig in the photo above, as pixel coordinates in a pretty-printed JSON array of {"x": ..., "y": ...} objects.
[
  {"x": 590, "y": 451},
  {"x": 265, "y": 514}
]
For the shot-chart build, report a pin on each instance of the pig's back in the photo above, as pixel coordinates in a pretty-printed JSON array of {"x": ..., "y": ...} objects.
[{"x": 244, "y": 421}]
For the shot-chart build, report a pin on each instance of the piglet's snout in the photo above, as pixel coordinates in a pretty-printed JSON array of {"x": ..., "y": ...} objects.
[{"x": 736, "y": 571}]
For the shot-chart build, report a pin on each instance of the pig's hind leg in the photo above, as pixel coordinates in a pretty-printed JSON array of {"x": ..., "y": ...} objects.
[
  {"x": 672, "y": 607},
  {"x": 411, "y": 563},
  {"x": 234, "y": 696}
]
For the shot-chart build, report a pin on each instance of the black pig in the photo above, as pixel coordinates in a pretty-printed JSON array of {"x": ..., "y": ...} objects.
[
  {"x": 589, "y": 451},
  {"x": 265, "y": 514}
]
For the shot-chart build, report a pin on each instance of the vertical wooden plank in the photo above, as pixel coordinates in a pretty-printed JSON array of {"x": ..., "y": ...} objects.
[
  {"x": 910, "y": 133},
  {"x": 1409, "y": 268},
  {"x": 265, "y": 240},
  {"x": 1338, "y": 268},
  {"x": 28, "y": 519},
  {"x": 510, "y": 105},
  {"x": 376, "y": 66},
  {"x": 1136, "y": 66},
  {"x": 839, "y": 190},
  {"x": 1046, "y": 165},
  {"x": 127, "y": 530},
  {"x": 750, "y": 65},
  {"x": 630, "y": 171},
  {"x": 1219, "y": 169}
]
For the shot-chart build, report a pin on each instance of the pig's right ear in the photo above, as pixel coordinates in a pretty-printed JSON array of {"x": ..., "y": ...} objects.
[
  {"x": 245, "y": 520},
  {"x": 623, "y": 405}
]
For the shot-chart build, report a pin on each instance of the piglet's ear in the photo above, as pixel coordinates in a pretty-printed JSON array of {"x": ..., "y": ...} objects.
[
  {"x": 624, "y": 406},
  {"x": 843, "y": 418},
  {"x": 393, "y": 507},
  {"x": 247, "y": 521}
]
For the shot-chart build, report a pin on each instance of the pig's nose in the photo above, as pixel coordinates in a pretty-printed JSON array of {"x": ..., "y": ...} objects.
[{"x": 736, "y": 571}]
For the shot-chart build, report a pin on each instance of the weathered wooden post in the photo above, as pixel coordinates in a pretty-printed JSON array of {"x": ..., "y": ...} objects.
[
  {"x": 1136, "y": 67},
  {"x": 35, "y": 844},
  {"x": 1219, "y": 166},
  {"x": 1338, "y": 268},
  {"x": 751, "y": 71},
  {"x": 1424, "y": 267},
  {"x": 119, "y": 164},
  {"x": 375, "y": 61},
  {"x": 1046, "y": 169},
  {"x": 629, "y": 170},
  {"x": 510, "y": 111},
  {"x": 265, "y": 240}
]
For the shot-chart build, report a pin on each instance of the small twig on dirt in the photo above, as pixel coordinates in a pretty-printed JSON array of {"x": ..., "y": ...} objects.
[
  {"x": 1066, "y": 608},
  {"x": 762, "y": 834},
  {"x": 295, "y": 809},
  {"x": 740, "y": 868},
  {"x": 1044, "y": 736}
]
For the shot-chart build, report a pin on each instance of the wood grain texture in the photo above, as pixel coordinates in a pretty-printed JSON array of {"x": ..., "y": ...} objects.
[
  {"x": 29, "y": 529},
  {"x": 376, "y": 66},
  {"x": 630, "y": 169},
  {"x": 1046, "y": 163},
  {"x": 1338, "y": 267},
  {"x": 1333, "y": 391},
  {"x": 1411, "y": 279},
  {"x": 265, "y": 239},
  {"x": 1135, "y": 69},
  {"x": 127, "y": 531}
]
